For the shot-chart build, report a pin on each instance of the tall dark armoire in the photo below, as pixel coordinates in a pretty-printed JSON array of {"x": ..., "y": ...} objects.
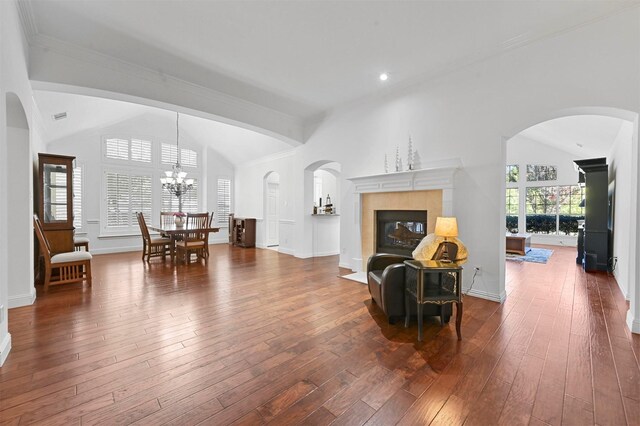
[{"x": 594, "y": 174}]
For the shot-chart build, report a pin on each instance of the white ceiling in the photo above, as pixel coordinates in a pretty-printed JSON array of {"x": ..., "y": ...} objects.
[
  {"x": 305, "y": 57},
  {"x": 301, "y": 57},
  {"x": 236, "y": 144},
  {"x": 595, "y": 133}
]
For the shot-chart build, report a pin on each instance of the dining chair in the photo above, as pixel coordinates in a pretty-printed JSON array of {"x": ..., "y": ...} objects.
[
  {"x": 152, "y": 247},
  {"x": 195, "y": 242},
  {"x": 167, "y": 218},
  {"x": 70, "y": 267}
]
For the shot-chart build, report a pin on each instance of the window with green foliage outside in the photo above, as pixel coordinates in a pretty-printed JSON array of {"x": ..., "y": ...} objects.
[
  {"x": 513, "y": 173},
  {"x": 512, "y": 209}
]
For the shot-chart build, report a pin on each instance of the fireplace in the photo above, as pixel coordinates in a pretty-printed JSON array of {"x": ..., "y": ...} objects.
[{"x": 399, "y": 231}]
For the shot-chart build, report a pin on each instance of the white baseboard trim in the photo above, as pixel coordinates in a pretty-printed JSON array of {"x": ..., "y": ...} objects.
[
  {"x": 22, "y": 299},
  {"x": 345, "y": 266},
  {"x": 326, "y": 253},
  {"x": 285, "y": 250},
  {"x": 115, "y": 250},
  {"x": 5, "y": 348},
  {"x": 486, "y": 295},
  {"x": 261, "y": 245},
  {"x": 303, "y": 255},
  {"x": 634, "y": 324}
]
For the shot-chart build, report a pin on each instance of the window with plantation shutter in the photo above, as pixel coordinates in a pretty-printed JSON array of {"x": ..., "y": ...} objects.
[
  {"x": 189, "y": 200},
  {"x": 224, "y": 201},
  {"x": 117, "y": 149},
  {"x": 132, "y": 168},
  {"x": 188, "y": 158},
  {"x": 169, "y": 155},
  {"x": 77, "y": 197},
  {"x": 126, "y": 194},
  {"x": 140, "y": 150}
]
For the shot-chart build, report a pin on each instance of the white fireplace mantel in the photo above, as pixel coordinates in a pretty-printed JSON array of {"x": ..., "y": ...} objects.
[{"x": 436, "y": 175}]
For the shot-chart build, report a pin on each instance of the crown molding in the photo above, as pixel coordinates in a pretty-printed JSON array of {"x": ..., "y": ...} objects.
[{"x": 47, "y": 45}]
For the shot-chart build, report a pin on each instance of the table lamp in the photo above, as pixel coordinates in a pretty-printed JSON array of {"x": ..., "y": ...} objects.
[{"x": 446, "y": 227}]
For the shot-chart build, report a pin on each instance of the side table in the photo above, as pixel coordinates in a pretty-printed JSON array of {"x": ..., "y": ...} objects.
[{"x": 435, "y": 282}]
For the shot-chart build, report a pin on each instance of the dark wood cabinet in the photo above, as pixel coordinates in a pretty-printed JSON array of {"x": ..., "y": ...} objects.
[
  {"x": 242, "y": 231},
  {"x": 55, "y": 200},
  {"x": 594, "y": 173}
]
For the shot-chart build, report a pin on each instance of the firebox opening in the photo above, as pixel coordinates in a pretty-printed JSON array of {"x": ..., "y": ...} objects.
[{"x": 399, "y": 231}]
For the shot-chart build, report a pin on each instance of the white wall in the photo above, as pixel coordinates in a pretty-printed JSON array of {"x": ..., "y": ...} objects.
[
  {"x": 469, "y": 114},
  {"x": 249, "y": 196},
  {"x": 20, "y": 234},
  {"x": 86, "y": 147},
  {"x": 620, "y": 172},
  {"x": 13, "y": 79},
  {"x": 522, "y": 151}
]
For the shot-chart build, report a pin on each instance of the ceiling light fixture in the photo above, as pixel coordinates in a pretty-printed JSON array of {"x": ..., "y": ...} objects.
[
  {"x": 384, "y": 76},
  {"x": 175, "y": 181}
]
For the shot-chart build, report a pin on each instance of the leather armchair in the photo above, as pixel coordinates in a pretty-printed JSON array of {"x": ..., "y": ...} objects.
[{"x": 386, "y": 281}]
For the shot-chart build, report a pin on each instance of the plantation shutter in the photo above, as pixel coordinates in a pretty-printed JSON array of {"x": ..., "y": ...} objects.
[
  {"x": 140, "y": 197},
  {"x": 168, "y": 154},
  {"x": 189, "y": 200},
  {"x": 77, "y": 197},
  {"x": 117, "y": 149},
  {"x": 224, "y": 201},
  {"x": 188, "y": 158},
  {"x": 117, "y": 199},
  {"x": 141, "y": 150},
  {"x": 127, "y": 193}
]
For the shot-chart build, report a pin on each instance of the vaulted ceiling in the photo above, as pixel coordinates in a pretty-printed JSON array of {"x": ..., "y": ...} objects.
[{"x": 288, "y": 61}]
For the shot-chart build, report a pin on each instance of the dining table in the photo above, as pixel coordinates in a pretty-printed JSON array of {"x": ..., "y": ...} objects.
[{"x": 174, "y": 232}]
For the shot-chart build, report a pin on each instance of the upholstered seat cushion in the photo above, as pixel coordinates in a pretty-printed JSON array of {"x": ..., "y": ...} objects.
[
  {"x": 190, "y": 243},
  {"x": 160, "y": 240},
  {"x": 73, "y": 256},
  {"x": 80, "y": 240}
]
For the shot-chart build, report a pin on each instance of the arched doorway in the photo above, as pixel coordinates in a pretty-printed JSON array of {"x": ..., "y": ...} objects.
[
  {"x": 623, "y": 188},
  {"x": 272, "y": 209},
  {"x": 19, "y": 173},
  {"x": 322, "y": 224}
]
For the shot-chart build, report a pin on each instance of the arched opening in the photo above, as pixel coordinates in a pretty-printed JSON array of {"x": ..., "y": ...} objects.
[
  {"x": 20, "y": 273},
  {"x": 322, "y": 219},
  {"x": 271, "y": 193},
  {"x": 545, "y": 199}
]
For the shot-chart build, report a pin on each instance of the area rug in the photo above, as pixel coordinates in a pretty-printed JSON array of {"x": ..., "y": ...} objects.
[
  {"x": 536, "y": 255},
  {"x": 360, "y": 277}
]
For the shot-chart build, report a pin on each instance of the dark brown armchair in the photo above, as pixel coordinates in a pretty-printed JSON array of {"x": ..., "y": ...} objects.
[{"x": 386, "y": 281}]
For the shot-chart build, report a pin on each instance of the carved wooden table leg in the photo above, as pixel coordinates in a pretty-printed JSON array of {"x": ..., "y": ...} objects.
[{"x": 458, "y": 319}]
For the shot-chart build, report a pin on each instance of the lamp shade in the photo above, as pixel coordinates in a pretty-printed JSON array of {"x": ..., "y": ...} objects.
[{"x": 446, "y": 227}]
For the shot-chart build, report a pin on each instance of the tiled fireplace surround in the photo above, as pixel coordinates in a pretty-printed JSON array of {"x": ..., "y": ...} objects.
[{"x": 431, "y": 188}]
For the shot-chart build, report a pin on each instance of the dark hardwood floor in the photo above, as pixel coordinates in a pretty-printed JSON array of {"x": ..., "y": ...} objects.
[{"x": 257, "y": 337}]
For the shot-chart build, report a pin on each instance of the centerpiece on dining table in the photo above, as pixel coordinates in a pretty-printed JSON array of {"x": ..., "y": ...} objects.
[{"x": 179, "y": 218}]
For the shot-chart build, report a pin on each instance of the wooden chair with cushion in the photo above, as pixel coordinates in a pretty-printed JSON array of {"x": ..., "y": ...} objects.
[
  {"x": 62, "y": 268},
  {"x": 81, "y": 242},
  {"x": 195, "y": 242},
  {"x": 152, "y": 247},
  {"x": 167, "y": 218}
]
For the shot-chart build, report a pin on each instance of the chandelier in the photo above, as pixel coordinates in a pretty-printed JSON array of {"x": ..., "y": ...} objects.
[{"x": 174, "y": 180}]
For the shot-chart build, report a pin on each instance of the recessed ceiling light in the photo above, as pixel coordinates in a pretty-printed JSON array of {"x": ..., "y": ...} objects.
[
  {"x": 59, "y": 116},
  {"x": 384, "y": 76},
  {"x": 580, "y": 145}
]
